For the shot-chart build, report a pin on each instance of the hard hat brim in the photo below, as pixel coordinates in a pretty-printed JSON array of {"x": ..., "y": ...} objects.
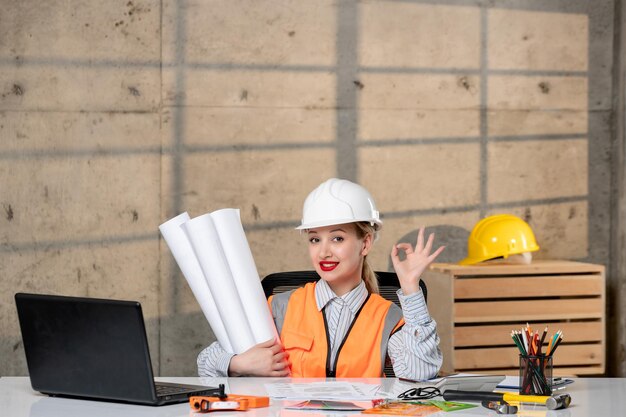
[
  {"x": 377, "y": 224},
  {"x": 472, "y": 261}
]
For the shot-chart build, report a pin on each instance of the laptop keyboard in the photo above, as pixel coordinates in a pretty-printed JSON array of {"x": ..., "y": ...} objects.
[{"x": 163, "y": 390}]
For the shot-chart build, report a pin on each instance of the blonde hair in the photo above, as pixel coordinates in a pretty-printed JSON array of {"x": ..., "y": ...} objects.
[{"x": 367, "y": 273}]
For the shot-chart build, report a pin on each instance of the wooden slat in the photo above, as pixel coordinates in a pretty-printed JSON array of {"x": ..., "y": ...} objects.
[
  {"x": 501, "y": 334},
  {"x": 536, "y": 267},
  {"x": 531, "y": 286},
  {"x": 527, "y": 310},
  {"x": 570, "y": 371},
  {"x": 441, "y": 307},
  {"x": 483, "y": 358},
  {"x": 574, "y": 370}
]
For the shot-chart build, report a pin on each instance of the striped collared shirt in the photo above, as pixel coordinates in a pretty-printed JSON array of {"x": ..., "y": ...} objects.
[{"x": 339, "y": 311}]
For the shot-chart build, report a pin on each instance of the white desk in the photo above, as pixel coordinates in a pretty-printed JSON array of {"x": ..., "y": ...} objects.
[{"x": 602, "y": 397}]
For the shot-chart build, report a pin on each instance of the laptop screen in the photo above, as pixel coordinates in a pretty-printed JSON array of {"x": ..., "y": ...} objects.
[{"x": 86, "y": 347}]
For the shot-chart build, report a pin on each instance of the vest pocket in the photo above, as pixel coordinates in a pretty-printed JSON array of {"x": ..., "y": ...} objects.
[
  {"x": 298, "y": 345},
  {"x": 293, "y": 340}
]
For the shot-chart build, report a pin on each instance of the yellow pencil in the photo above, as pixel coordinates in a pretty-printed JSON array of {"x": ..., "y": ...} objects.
[{"x": 549, "y": 346}]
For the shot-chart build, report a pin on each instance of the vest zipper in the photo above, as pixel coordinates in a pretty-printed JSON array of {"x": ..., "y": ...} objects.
[{"x": 333, "y": 373}]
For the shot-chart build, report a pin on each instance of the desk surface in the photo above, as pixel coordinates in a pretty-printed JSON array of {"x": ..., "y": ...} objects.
[{"x": 590, "y": 397}]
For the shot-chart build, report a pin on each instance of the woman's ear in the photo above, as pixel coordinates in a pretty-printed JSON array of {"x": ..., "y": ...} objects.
[{"x": 368, "y": 240}]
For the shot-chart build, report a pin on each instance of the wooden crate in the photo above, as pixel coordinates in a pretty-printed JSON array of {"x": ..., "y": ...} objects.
[{"x": 477, "y": 306}]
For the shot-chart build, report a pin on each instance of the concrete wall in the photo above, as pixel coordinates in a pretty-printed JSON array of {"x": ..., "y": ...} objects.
[
  {"x": 117, "y": 116},
  {"x": 617, "y": 282}
]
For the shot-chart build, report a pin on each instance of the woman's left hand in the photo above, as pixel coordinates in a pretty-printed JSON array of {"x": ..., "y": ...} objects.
[{"x": 417, "y": 260}]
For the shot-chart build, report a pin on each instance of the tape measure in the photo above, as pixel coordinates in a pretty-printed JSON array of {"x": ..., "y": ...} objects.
[{"x": 204, "y": 404}]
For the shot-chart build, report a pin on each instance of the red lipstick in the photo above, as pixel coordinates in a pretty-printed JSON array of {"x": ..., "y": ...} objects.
[{"x": 328, "y": 266}]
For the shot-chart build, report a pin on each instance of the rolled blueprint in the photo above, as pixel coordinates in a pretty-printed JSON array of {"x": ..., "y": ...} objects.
[
  {"x": 206, "y": 245},
  {"x": 188, "y": 263},
  {"x": 244, "y": 273}
]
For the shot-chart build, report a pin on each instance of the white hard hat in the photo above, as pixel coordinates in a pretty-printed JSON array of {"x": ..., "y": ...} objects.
[{"x": 337, "y": 201}]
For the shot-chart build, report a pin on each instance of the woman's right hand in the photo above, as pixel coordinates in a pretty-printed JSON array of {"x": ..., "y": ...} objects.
[{"x": 264, "y": 359}]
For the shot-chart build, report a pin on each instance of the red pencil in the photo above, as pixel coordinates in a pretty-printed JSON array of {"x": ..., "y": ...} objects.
[{"x": 543, "y": 338}]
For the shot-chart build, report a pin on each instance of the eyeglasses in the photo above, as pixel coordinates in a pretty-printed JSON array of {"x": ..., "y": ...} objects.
[{"x": 422, "y": 393}]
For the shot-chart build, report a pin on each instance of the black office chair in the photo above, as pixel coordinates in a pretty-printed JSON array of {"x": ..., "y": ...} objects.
[
  {"x": 388, "y": 284},
  {"x": 279, "y": 282}
]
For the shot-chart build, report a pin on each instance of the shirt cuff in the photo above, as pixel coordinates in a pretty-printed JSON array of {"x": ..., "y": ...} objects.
[
  {"x": 414, "y": 308},
  {"x": 223, "y": 362}
]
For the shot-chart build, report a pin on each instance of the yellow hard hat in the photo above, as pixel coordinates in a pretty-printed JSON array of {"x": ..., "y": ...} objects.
[{"x": 498, "y": 236}]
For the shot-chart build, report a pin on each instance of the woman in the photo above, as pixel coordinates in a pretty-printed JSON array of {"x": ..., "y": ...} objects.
[{"x": 339, "y": 326}]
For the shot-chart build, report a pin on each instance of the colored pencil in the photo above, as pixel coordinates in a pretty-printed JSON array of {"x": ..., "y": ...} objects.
[
  {"x": 525, "y": 338},
  {"x": 543, "y": 338},
  {"x": 556, "y": 345}
]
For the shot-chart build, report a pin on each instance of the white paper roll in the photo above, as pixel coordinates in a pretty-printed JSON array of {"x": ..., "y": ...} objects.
[
  {"x": 206, "y": 245},
  {"x": 244, "y": 273},
  {"x": 188, "y": 263}
]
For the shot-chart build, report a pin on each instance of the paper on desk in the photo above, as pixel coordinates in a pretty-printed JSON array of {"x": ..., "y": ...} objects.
[
  {"x": 245, "y": 276},
  {"x": 188, "y": 263},
  {"x": 204, "y": 240},
  {"x": 322, "y": 391}
]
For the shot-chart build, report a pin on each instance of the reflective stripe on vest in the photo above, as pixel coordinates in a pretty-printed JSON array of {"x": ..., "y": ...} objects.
[{"x": 303, "y": 332}]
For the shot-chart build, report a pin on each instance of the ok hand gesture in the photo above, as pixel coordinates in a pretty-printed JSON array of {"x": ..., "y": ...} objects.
[{"x": 416, "y": 262}]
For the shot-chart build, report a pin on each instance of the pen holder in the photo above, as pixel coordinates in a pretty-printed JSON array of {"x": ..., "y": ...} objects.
[{"x": 535, "y": 375}]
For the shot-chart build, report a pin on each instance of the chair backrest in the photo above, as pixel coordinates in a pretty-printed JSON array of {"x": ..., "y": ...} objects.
[
  {"x": 388, "y": 284},
  {"x": 284, "y": 281}
]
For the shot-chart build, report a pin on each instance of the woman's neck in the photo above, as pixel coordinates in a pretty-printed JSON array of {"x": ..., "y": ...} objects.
[{"x": 342, "y": 288}]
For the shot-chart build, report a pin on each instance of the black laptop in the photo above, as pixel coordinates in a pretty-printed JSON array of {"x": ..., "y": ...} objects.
[{"x": 92, "y": 348}]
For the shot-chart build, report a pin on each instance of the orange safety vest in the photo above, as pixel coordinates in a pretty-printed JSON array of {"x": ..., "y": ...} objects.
[{"x": 304, "y": 334}]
